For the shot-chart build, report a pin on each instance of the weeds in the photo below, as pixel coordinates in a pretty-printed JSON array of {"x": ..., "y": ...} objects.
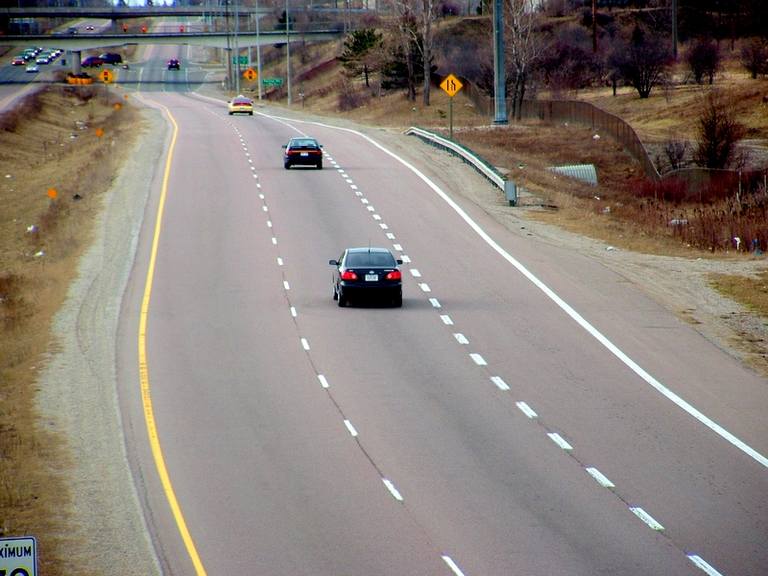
[{"x": 41, "y": 240}]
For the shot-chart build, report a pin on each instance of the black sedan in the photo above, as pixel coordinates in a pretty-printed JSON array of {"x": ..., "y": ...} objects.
[
  {"x": 303, "y": 152},
  {"x": 367, "y": 273}
]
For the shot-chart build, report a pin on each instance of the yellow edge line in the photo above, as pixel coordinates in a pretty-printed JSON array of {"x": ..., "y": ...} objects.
[{"x": 143, "y": 373}]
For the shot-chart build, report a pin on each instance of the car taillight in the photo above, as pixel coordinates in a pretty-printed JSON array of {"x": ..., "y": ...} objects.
[
  {"x": 394, "y": 275},
  {"x": 348, "y": 275}
]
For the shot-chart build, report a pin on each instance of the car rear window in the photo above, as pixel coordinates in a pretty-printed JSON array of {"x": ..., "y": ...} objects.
[
  {"x": 372, "y": 259},
  {"x": 304, "y": 144}
]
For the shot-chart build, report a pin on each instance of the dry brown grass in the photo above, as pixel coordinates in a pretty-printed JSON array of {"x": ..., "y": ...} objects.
[{"x": 56, "y": 147}]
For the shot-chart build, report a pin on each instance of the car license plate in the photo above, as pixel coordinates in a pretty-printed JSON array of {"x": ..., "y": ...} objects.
[
  {"x": 371, "y": 277},
  {"x": 305, "y": 153}
]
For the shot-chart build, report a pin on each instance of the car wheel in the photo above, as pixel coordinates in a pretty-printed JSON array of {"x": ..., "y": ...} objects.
[
  {"x": 398, "y": 301},
  {"x": 250, "y": 113},
  {"x": 320, "y": 165},
  {"x": 287, "y": 166},
  {"x": 342, "y": 300},
  {"x": 231, "y": 113}
]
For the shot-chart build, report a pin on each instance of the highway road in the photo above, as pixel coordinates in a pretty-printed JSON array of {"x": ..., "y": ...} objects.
[{"x": 526, "y": 411}]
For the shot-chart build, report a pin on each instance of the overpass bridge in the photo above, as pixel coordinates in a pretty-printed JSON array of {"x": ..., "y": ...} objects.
[
  {"x": 76, "y": 43},
  {"x": 126, "y": 12}
]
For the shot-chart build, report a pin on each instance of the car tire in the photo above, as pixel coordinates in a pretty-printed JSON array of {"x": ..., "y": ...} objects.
[
  {"x": 342, "y": 300},
  {"x": 398, "y": 301},
  {"x": 250, "y": 113},
  {"x": 287, "y": 166},
  {"x": 231, "y": 113},
  {"x": 335, "y": 294},
  {"x": 320, "y": 165}
]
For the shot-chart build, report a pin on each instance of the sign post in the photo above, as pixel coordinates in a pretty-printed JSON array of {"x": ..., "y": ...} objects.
[
  {"x": 106, "y": 76},
  {"x": 451, "y": 85}
]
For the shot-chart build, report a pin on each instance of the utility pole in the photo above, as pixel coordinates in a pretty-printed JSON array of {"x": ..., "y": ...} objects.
[
  {"x": 674, "y": 29},
  {"x": 258, "y": 47},
  {"x": 499, "y": 73},
  {"x": 237, "y": 49},
  {"x": 228, "y": 57},
  {"x": 288, "y": 48},
  {"x": 594, "y": 26}
]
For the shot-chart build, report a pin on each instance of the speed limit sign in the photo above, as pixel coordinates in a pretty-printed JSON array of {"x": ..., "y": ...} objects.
[{"x": 18, "y": 556}]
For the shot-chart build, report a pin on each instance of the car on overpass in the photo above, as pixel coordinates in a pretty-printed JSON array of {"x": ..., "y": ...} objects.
[
  {"x": 174, "y": 64},
  {"x": 92, "y": 62}
]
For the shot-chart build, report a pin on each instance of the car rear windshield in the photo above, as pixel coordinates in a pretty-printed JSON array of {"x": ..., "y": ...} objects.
[
  {"x": 370, "y": 259},
  {"x": 303, "y": 144}
]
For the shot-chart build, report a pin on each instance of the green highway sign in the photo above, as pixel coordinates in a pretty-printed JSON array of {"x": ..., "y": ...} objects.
[
  {"x": 272, "y": 81},
  {"x": 243, "y": 60}
]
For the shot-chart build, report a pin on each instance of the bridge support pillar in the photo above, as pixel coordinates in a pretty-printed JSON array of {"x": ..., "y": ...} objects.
[{"x": 76, "y": 68}]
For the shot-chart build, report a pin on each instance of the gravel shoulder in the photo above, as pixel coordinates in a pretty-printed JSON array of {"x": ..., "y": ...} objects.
[{"x": 78, "y": 388}]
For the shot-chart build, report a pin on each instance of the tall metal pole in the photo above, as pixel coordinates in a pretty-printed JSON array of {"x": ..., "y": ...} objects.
[
  {"x": 258, "y": 48},
  {"x": 229, "y": 49},
  {"x": 288, "y": 48},
  {"x": 674, "y": 29},
  {"x": 499, "y": 74},
  {"x": 237, "y": 49}
]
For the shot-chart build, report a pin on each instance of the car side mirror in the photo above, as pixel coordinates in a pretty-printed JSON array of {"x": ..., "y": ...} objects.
[
  {"x": 284, "y": 147},
  {"x": 399, "y": 261},
  {"x": 333, "y": 262},
  {"x": 321, "y": 145}
]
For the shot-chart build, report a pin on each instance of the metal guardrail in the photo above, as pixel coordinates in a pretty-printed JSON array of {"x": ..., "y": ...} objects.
[{"x": 483, "y": 167}]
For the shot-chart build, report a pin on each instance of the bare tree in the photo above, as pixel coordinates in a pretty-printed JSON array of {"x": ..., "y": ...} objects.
[
  {"x": 718, "y": 132},
  {"x": 523, "y": 45},
  {"x": 643, "y": 61},
  {"x": 704, "y": 59},
  {"x": 754, "y": 57},
  {"x": 416, "y": 18}
]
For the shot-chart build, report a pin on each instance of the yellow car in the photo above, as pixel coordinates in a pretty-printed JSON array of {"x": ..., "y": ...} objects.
[{"x": 240, "y": 105}]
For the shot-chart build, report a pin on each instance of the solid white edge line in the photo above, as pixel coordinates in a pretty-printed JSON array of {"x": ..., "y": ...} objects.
[
  {"x": 392, "y": 489},
  {"x": 452, "y": 565},
  {"x": 600, "y": 477},
  {"x": 557, "y": 300},
  {"x": 700, "y": 563}
]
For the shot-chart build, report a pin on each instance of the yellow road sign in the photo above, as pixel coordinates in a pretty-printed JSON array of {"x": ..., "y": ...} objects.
[
  {"x": 106, "y": 76},
  {"x": 250, "y": 75},
  {"x": 451, "y": 85}
]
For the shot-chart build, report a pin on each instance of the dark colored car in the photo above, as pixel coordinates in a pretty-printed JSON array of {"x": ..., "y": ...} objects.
[
  {"x": 112, "y": 58},
  {"x": 92, "y": 62},
  {"x": 367, "y": 273},
  {"x": 303, "y": 152},
  {"x": 174, "y": 64}
]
